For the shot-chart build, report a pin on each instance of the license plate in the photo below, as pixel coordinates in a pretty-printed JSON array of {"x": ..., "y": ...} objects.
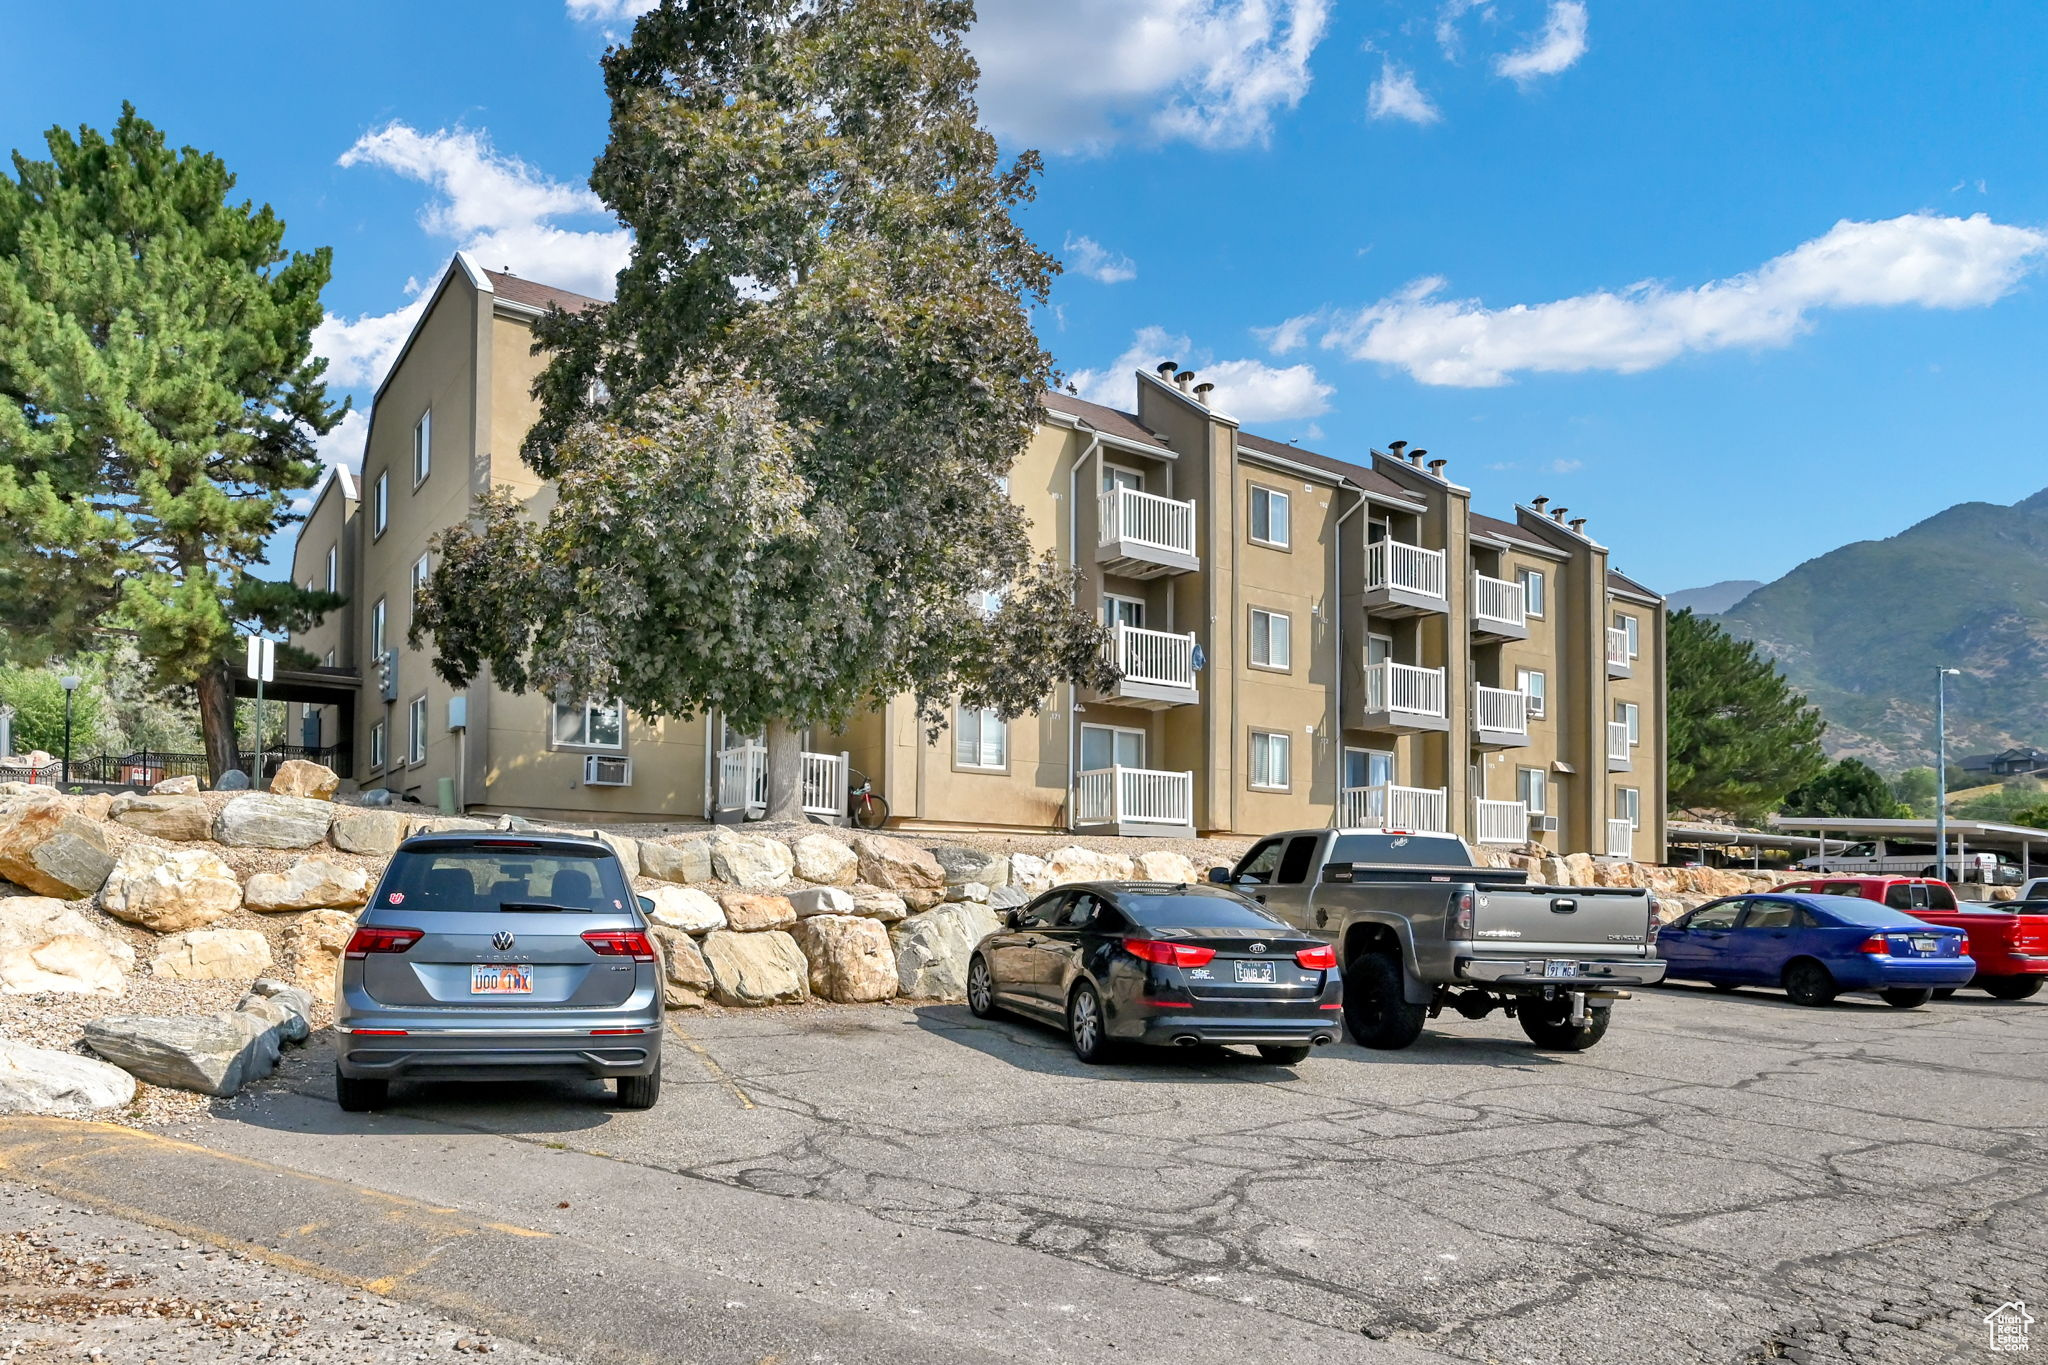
[
  {"x": 500, "y": 978},
  {"x": 1924, "y": 945},
  {"x": 1255, "y": 973},
  {"x": 1560, "y": 967}
]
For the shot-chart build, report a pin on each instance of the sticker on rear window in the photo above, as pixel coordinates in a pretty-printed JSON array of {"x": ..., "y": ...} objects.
[
  {"x": 617, "y": 905},
  {"x": 396, "y": 898}
]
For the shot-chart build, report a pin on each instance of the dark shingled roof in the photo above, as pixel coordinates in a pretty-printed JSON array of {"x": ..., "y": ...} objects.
[
  {"x": 1493, "y": 526},
  {"x": 1371, "y": 480},
  {"x": 1111, "y": 420},
  {"x": 535, "y": 295},
  {"x": 1617, "y": 579}
]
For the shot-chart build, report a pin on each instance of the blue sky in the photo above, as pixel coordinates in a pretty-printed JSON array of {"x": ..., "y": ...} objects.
[{"x": 1739, "y": 281}]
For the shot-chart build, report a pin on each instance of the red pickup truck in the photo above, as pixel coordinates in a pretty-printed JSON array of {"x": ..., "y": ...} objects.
[{"x": 2009, "y": 939}]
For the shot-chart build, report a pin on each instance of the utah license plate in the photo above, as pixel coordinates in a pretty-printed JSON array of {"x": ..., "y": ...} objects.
[
  {"x": 1255, "y": 973},
  {"x": 1560, "y": 967},
  {"x": 1924, "y": 945},
  {"x": 500, "y": 978}
]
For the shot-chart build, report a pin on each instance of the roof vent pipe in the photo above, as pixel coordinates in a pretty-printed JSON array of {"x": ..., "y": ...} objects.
[
  {"x": 1415, "y": 456},
  {"x": 1579, "y": 525},
  {"x": 1183, "y": 379},
  {"x": 1436, "y": 467},
  {"x": 1557, "y": 514},
  {"x": 1394, "y": 448},
  {"x": 1538, "y": 504},
  {"x": 1202, "y": 392},
  {"x": 1166, "y": 369}
]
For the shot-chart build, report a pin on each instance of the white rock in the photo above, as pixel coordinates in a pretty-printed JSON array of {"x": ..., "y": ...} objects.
[
  {"x": 850, "y": 958},
  {"x": 181, "y": 819},
  {"x": 301, "y": 777},
  {"x": 376, "y": 833},
  {"x": 314, "y": 945},
  {"x": 682, "y": 860},
  {"x": 686, "y": 908},
  {"x": 176, "y": 786},
  {"x": 48, "y": 847},
  {"x": 212, "y": 955},
  {"x": 312, "y": 884},
  {"x": 67, "y": 964},
  {"x": 36, "y": 1080},
  {"x": 963, "y": 864},
  {"x": 750, "y": 860},
  {"x": 686, "y": 981},
  {"x": 214, "y": 1054},
  {"x": 968, "y": 891},
  {"x": 932, "y": 949},
  {"x": 756, "y": 969},
  {"x": 824, "y": 860},
  {"x": 170, "y": 889},
  {"x": 1028, "y": 874},
  {"x": 873, "y": 903},
  {"x": 901, "y": 867},
  {"x": 821, "y": 900},
  {"x": 261, "y": 820},
  {"x": 1165, "y": 867},
  {"x": 1074, "y": 863}
]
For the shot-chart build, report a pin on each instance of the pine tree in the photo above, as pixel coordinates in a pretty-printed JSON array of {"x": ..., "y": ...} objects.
[
  {"x": 1848, "y": 789},
  {"x": 158, "y": 404},
  {"x": 1740, "y": 736}
]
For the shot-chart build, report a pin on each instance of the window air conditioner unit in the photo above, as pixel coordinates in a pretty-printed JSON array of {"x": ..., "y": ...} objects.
[
  {"x": 1547, "y": 824},
  {"x": 604, "y": 770}
]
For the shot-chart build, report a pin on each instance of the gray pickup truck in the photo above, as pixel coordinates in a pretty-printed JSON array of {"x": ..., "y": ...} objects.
[{"x": 1419, "y": 927}]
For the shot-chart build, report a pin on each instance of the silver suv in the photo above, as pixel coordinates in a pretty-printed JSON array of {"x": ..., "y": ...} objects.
[{"x": 485, "y": 957}]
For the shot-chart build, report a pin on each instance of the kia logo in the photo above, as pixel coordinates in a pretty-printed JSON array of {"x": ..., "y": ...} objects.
[
  {"x": 1258, "y": 947},
  {"x": 503, "y": 940}
]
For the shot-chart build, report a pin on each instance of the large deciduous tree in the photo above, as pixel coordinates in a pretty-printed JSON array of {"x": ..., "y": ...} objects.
[
  {"x": 158, "y": 404},
  {"x": 1847, "y": 789},
  {"x": 780, "y": 456},
  {"x": 1740, "y": 736}
]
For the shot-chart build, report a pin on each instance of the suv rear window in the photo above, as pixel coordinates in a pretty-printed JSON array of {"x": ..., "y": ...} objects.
[{"x": 482, "y": 877}]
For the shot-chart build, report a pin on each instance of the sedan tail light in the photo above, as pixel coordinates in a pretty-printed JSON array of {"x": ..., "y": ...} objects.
[
  {"x": 368, "y": 940},
  {"x": 631, "y": 943},
  {"x": 1168, "y": 954},
  {"x": 1877, "y": 945},
  {"x": 1322, "y": 959}
]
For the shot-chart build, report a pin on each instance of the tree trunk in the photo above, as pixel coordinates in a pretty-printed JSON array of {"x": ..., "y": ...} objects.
[
  {"x": 217, "y": 721},
  {"x": 785, "y": 772}
]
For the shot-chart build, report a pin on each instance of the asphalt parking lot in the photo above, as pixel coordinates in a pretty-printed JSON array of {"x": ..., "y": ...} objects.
[{"x": 1725, "y": 1178}]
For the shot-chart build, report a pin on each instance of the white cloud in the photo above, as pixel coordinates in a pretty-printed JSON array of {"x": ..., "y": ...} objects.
[
  {"x": 1564, "y": 466},
  {"x": 609, "y": 11},
  {"x": 498, "y": 207},
  {"x": 344, "y": 444},
  {"x": 1447, "y": 20},
  {"x": 1919, "y": 259},
  {"x": 1395, "y": 95},
  {"x": 1098, "y": 262},
  {"x": 1076, "y": 75},
  {"x": 1248, "y": 390},
  {"x": 1562, "y": 42}
]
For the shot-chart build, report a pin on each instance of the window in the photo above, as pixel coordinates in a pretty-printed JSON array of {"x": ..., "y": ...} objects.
[
  {"x": 1533, "y": 683},
  {"x": 1628, "y": 805},
  {"x": 1378, "y": 648},
  {"x": 377, "y": 633},
  {"x": 1115, "y": 476},
  {"x": 1111, "y": 746},
  {"x": 1122, "y": 611},
  {"x": 981, "y": 739},
  {"x": 1629, "y": 626},
  {"x": 1269, "y": 517},
  {"x": 380, "y": 504},
  {"x": 1261, "y": 863},
  {"x": 1631, "y": 715},
  {"x": 377, "y": 745},
  {"x": 1299, "y": 858},
  {"x": 1532, "y": 785},
  {"x": 1715, "y": 916},
  {"x": 1769, "y": 915},
  {"x": 1533, "y": 585},
  {"x": 1086, "y": 911},
  {"x": 1269, "y": 760},
  {"x": 1272, "y": 646},
  {"x": 590, "y": 724},
  {"x": 1039, "y": 914},
  {"x": 333, "y": 568},
  {"x": 423, "y": 448},
  {"x": 422, "y": 569},
  {"x": 329, "y": 660},
  {"x": 416, "y": 730}
]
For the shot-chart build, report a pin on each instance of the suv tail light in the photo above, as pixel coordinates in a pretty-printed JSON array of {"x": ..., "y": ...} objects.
[
  {"x": 1323, "y": 959},
  {"x": 1168, "y": 954},
  {"x": 1876, "y": 944},
  {"x": 366, "y": 940},
  {"x": 631, "y": 943}
]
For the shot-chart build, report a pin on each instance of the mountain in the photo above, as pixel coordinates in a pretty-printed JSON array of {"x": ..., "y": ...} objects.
[
  {"x": 1862, "y": 629},
  {"x": 1715, "y": 598}
]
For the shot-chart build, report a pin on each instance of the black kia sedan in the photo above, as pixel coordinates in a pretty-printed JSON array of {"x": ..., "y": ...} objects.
[{"x": 1157, "y": 963}]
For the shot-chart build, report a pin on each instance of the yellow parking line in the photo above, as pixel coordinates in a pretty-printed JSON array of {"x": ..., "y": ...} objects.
[{"x": 711, "y": 1065}]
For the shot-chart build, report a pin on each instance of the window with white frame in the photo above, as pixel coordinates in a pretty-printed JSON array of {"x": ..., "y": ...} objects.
[
  {"x": 1269, "y": 760},
  {"x": 380, "y": 504},
  {"x": 377, "y": 745},
  {"x": 1269, "y": 517},
  {"x": 1533, "y": 684},
  {"x": 1631, "y": 715},
  {"x": 1123, "y": 611},
  {"x": 590, "y": 724},
  {"x": 422, "y": 570},
  {"x": 1272, "y": 642},
  {"x": 416, "y": 730},
  {"x": 329, "y": 660},
  {"x": 333, "y": 568},
  {"x": 1535, "y": 588},
  {"x": 1532, "y": 787},
  {"x": 1632, "y": 628},
  {"x": 981, "y": 738},
  {"x": 377, "y": 633},
  {"x": 1628, "y": 805},
  {"x": 1115, "y": 476},
  {"x": 423, "y": 448}
]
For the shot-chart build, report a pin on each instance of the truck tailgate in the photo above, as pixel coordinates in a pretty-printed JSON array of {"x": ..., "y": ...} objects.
[{"x": 1593, "y": 920}]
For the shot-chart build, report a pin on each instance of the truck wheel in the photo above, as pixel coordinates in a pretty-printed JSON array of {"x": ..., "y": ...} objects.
[
  {"x": 1549, "y": 1025},
  {"x": 1374, "y": 1010},
  {"x": 2011, "y": 987},
  {"x": 1906, "y": 998},
  {"x": 1809, "y": 983}
]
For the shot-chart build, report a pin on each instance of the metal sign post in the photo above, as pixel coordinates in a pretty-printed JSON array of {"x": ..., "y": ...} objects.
[{"x": 262, "y": 667}]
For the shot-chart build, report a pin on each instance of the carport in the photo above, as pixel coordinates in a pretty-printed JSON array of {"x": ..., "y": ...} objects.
[{"x": 2016, "y": 840}]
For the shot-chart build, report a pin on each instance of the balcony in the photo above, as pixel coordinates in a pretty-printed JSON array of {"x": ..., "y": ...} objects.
[
  {"x": 1144, "y": 535},
  {"x": 1403, "y": 698},
  {"x": 1403, "y": 579},
  {"x": 1618, "y": 747},
  {"x": 1621, "y": 839},
  {"x": 743, "y": 784},
  {"x": 1414, "y": 810},
  {"x": 1500, "y": 609},
  {"x": 1134, "y": 802},
  {"x": 1500, "y": 822},
  {"x": 1500, "y": 718},
  {"x": 1158, "y": 668},
  {"x": 1620, "y": 663}
]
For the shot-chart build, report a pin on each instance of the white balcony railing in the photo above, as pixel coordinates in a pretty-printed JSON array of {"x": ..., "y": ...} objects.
[
  {"x": 1133, "y": 796},
  {"x": 1617, "y": 647},
  {"x": 1148, "y": 520},
  {"x": 1498, "y": 708},
  {"x": 1419, "y": 809},
  {"x": 1617, "y": 739},
  {"x": 743, "y": 781},
  {"x": 1497, "y": 602},
  {"x": 1501, "y": 822},
  {"x": 1404, "y": 687},
  {"x": 1396, "y": 564},
  {"x": 1155, "y": 657},
  {"x": 1621, "y": 839}
]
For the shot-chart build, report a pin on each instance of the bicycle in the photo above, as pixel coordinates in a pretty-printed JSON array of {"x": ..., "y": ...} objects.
[{"x": 864, "y": 809}]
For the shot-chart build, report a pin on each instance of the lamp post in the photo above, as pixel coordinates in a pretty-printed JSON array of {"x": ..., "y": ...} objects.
[
  {"x": 1941, "y": 677},
  {"x": 69, "y": 682}
]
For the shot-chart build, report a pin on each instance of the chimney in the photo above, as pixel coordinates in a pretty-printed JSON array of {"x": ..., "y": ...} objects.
[
  {"x": 1538, "y": 504},
  {"x": 1166, "y": 369},
  {"x": 1415, "y": 456},
  {"x": 1182, "y": 380},
  {"x": 1202, "y": 392},
  {"x": 1578, "y": 526},
  {"x": 1557, "y": 514},
  {"x": 1394, "y": 448},
  {"x": 1436, "y": 467}
]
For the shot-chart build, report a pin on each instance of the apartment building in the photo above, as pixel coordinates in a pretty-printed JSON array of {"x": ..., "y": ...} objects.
[{"x": 1303, "y": 639}]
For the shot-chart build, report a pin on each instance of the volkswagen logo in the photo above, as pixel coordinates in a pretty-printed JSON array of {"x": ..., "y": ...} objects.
[
  {"x": 503, "y": 940},
  {"x": 1258, "y": 947}
]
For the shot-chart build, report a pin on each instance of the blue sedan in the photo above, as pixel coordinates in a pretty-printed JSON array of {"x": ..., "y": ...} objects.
[{"x": 1816, "y": 947}]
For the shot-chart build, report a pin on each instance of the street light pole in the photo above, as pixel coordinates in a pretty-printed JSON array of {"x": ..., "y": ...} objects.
[
  {"x": 1941, "y": 677},
  {"x": 69, "y": 682}
]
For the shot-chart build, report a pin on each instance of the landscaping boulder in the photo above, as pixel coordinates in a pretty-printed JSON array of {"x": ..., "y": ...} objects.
[
  {"x": 1001, "y": 898},
  {"x": 850, "y": 958},
  {"x": 62, "y": 964},
  {"x": 750, "y": 912},
  {"x": 932, "y": 949},
  {"x": 378, "y": 797},
  {"x": 212, "y": 955},
  {"x": 686, "y": 909},
  {"x": 314, "y": 883},
  {"x": 46, "y": 846},
  {"x": 1166, "y": 867},
  {"x": 181, "y": 819},
  {"x": 372, "y": 833},
  {"x": 1076, "y": 864},
  {"x": 233, "y": 780},
  {"x": 686, "y": 980},
  {"x": 314, "y": 945},
  {"x": 170, "y": 889},
  {"x": 755, "y": 969},
  {"x": 874, "y": 903},
  {"x": 176, "y": 786},
  {"x": 750, "y": 859},
  {"x": 627, "y": 849},
  {"x": 214, "y": 1054},
  {"x": 288, "y": 1009},
  {"x": 29, "y": 922},
  {"x": 968, "y": 891},
  {"x": 264, "y": 821},
  {"x": 821, "y": 900},
  {"x": 681, "y": 861},
  {"x": 35, "y": 1080},
  {"x": 92, "y": 805},
  {"x": 1028, "y": 874},
  {"x": 822, "y": 859},
  {"x": 962, "y": 865},
  {"x": 906, "y": 869},
  {"x": 298, "y": 777}
]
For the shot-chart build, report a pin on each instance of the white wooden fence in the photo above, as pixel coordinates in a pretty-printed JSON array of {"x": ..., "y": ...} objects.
[
  {"x": 1133, "y": 796},
  {"x": 743, "y": 781}
]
